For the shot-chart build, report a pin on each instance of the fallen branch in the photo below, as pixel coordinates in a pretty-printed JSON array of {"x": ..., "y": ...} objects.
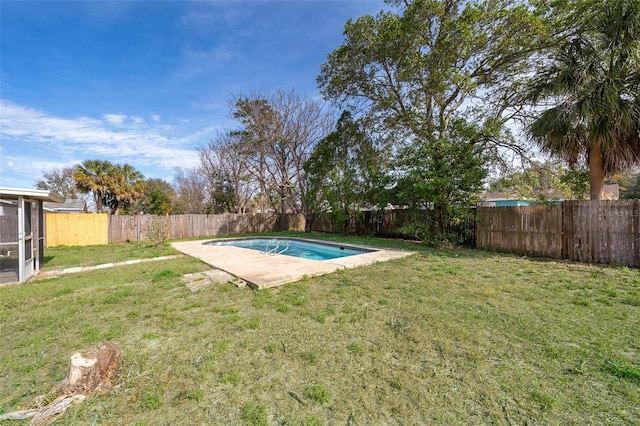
[
  {"x": 296, "y": 397},
  {"x": 58, "y": 406},
  {"x": 19, "y": 415}
]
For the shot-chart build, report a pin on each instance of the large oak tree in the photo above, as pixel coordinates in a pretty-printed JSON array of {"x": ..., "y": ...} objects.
[{"x": 413, "y": 71}]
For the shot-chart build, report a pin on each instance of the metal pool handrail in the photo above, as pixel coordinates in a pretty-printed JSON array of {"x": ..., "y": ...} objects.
[
  {"x": 266, "y": 249},
  {"x": 274, "y": 251}
]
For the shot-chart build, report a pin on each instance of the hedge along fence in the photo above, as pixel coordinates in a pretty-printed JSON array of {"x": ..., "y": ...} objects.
[
  {"x": 388, "y": 224},
  {"x": 95, "y": 229}
]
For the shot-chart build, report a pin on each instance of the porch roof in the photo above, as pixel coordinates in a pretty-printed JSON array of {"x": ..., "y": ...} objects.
[{"x": 34, "y": 194}]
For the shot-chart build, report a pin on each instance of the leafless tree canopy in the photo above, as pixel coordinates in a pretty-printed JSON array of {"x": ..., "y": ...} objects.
[
  {"x": 191, "y": 190},
  {"x": 262, "y": 160}
]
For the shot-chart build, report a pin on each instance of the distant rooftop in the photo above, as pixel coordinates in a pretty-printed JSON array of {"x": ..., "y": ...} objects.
[
  {"x": 611, "y": 192},
  {"x": 68, "y": 206}
]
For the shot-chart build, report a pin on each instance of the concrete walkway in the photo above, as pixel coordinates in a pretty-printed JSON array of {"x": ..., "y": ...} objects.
[
  {"x": 56, "y": 272},
  {"x": 263, "y": 271}
]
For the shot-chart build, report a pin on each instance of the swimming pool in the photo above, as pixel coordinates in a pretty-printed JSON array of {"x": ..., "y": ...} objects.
[
  {"x": 263, "y": 271},
  {"x": 304, "y": 249}
]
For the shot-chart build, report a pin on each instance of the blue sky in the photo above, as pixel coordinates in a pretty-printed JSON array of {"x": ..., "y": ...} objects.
[{"x": 147, "y": 82}]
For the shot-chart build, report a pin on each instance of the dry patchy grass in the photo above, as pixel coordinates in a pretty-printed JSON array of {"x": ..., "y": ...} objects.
[{"x": 459, "y": 337}]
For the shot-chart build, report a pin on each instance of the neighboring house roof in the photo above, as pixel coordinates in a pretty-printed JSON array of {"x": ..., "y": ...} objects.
[
  {"x": 500, "y": 196},
  {"x": 69, "y": 206},
  {"x": 611, "y": 192}
]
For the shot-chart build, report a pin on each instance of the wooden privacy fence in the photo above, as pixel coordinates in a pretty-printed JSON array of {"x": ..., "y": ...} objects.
[
  {"x": 530, "y": 230},
  {"x": 95, "y": 229},
  {"x": 136, "y": 228},
  {"x": 582, "y": 231},
  {"x": 602, "y": 231},
  {"x": 72, "y": 229}
]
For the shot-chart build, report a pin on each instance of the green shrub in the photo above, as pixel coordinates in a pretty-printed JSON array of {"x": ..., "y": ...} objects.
[{"x": 157, "y": 232}]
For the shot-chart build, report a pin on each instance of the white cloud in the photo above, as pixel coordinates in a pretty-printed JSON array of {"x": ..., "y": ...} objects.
[
  {"x": 114, "y": 137},
  {"x": 115, "y": 119},
  {"x": 20, "y": 170}
]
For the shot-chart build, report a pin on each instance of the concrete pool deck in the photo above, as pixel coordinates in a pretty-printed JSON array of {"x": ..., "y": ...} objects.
[{"x": 264, "y": 271}]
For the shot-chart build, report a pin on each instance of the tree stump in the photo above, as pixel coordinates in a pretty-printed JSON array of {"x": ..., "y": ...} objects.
[
  {"x": 86, "y": 372},
  {"x": 89, "y": 370}
]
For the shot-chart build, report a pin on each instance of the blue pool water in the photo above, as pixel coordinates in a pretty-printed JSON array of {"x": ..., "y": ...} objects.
[{"x": 297, "y": 248}]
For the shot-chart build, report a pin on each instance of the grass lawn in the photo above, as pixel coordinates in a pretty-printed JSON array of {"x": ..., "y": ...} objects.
[
  {"x": 441, "y": 337},
  {"x": 66, "y": 257}
]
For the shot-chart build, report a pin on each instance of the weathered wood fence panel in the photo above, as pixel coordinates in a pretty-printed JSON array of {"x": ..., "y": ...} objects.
[
  {"x": 136, "y": 228},
  {"x": 72, "y": 229},
  {"x": 193, "y": 226},
  {"x": 530, "y": 230},
  {"x": 602, "y": 231},
  {"x": 386, "y": 224},
  {"x": 123, "y": 228},
  {"x": 582, "y": 231}
]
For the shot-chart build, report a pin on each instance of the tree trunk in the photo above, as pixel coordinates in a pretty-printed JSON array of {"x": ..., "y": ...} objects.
[
  {"x": 441, "y": 217},
  {"x": 97, "y": 197},
  {"x": 119, "y": 205},
  {"x": 596, "y": 172}
]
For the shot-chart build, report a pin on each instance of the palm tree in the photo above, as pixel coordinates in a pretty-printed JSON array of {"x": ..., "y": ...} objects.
[
  {"x": 594, "y": 85},
  {"x": 93, "y": 177},
  {"x": 126, "y": 185}
]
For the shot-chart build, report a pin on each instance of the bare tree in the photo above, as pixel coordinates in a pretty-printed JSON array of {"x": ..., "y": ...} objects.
[
  {"x": 230, "y": 184},
  {"x": 277, "y": 135},
  {"x": 59, "y": 181},
  {"x": 191, "y": 191}
]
